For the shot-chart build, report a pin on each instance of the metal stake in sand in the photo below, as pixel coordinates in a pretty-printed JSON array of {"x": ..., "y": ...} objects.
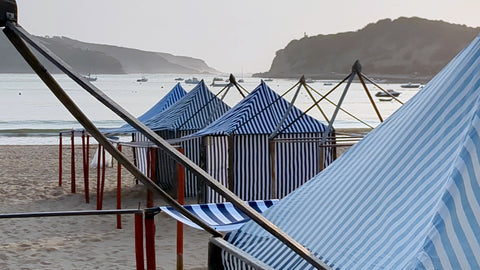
[{"x": 60, "y": 160}]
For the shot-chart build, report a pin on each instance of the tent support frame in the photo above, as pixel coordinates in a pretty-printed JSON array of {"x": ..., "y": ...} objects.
[{"x": 17, "y": 35}]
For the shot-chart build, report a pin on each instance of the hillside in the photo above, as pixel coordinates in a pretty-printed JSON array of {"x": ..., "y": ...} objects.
[
  {"x": 403, "y": 48},
  {"x": 102, "y": 59}
]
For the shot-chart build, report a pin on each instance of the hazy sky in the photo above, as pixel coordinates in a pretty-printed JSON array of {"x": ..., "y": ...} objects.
[{"x": 230, "y": 36}]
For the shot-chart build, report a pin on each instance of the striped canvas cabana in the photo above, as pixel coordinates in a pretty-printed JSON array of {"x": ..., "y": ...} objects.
[
  {"x": 405, "y": 197},
  {"x": 240, "y": 154},
  {"x": 191, "y": 113},
  {"x": 169, "y": 99}
]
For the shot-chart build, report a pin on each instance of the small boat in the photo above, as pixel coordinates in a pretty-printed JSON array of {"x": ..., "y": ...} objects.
[
  {"x": 219, "y": 84},
  {"x": 217, "y": 79},
  {"x": 385, "y": 99},
  {"x": 268, "y": 80},
  {"x": 390, "y": 93},
  {"x": 309, "y": 80},
  {"x": 90, "y": 78},
  {"x": 143, "y": 79},
  {"x": 241, "y": 80},
  {"x": 410, "y": 85},
  {"x": 178, "y": 79},
  {"x": 327, "y": 83},
  {"x": 192, "y": 81}
]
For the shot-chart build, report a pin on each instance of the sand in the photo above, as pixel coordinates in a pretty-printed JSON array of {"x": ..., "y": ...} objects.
[{"x": 29, "y": 183}]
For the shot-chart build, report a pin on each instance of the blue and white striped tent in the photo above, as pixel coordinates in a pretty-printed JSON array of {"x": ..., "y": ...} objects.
[
  {"x": 191, "y": 113},
  {"x": 244, "y": 133},
  {"x": 405, "y": 197},
  {"x": 168, "y": 100}
]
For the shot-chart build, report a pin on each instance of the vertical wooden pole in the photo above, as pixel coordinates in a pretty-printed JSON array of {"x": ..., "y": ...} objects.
[
  {"x": 150, "y": 217},
  {"x": 85, "y": 166},
  {"x": 273, "y": 186},
  {"x": 99, "y": 156},
  {"x": 150, "y": 240},
  {"x": 73, "y": 162},
  {"x": 87, "y": 170},
  {"x": 102, "y": 187},
  {"x": 119, "y": 189},
  {"x": 181, "y": 200},
  {"x": 60, "y": 161},
  {"x": 231, "y": 174},
  {"x": 139, "y": 241}
]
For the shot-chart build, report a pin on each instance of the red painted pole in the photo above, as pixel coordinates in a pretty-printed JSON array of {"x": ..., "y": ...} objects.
[
  {"x": 60, "y": 161},
  {"x": 181, "y": 200},
  {"x": 119, "y": 189},
  {"x": 150, "y": 217},
  {"x": 73, "y": 162},
  {"x": 102, "y": 188},
  {"x": 87, "y": 171},
  {"x": 150, "y": 240},
  {"x": 139, "y": 241},
  {"x": 85, "y": 164},
  {"x": 99, "y": 154}
]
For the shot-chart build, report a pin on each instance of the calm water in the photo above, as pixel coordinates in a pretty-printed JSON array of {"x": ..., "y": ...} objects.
[{"x": 30, "y": 113}]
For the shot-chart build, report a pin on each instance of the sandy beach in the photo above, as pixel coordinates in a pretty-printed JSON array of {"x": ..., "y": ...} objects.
[{"x": 29, "y": 183}]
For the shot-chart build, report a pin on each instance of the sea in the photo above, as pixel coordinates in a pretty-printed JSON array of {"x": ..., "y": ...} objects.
[{"x": 31, "y": 115}]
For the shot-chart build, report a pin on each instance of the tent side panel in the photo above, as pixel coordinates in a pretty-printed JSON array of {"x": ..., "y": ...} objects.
[
  {"x": 140, "y": 153},
  {"x": 296, "y": 161},
  {"x": 252, "y": 167},
  {"x": 217, "y": 165},
  {"x": 192, "y": 150}
]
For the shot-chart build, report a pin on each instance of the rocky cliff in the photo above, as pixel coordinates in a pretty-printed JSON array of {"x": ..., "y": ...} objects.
[{"x": 401, "y": 48}]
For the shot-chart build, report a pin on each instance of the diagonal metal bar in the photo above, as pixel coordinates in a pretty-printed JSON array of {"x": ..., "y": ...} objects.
[
  {"x": 14, "y": 30},
  {"x": 90, "y": 127},
  {"x": 289, "y": 109},
  {"x": 369, "y": 96},
  {"x": 374, "y": 83},
  {"x": 340, "y": 101}
]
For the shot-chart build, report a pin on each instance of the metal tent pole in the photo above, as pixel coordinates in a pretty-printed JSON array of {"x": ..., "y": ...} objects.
[{"x": 14, "y": 32}]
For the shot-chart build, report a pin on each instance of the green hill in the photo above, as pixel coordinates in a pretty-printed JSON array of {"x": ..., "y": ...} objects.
[
  {"x": 102, "y": 59},
  {"x": 402, "y": 48}
]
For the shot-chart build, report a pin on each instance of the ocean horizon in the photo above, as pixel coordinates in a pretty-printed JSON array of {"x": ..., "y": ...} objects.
[{"x": 31, "y": 114}]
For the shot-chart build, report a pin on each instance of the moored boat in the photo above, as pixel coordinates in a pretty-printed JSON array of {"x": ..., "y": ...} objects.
[
  {"x": 389, "y": 94},
  {"x": 410, "y": 85},
  {"x": 192, "y": 81}
]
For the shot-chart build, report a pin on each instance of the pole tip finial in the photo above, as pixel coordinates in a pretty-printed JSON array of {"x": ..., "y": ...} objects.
[
  {"x": 232, "y": 79},
  {"x": 357, "y": 67},
  {"x": 8, "y": 11}
]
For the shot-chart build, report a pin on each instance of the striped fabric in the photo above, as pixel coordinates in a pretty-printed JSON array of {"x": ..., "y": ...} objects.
[
  {"x": 168, "y": 100},
  {"x": 222, "y": 216},
  {"x": 193, "y": 112},
  {"x": 405, "y": 197},
  {"x": 259, "y": 113},
  {"x": 249, "y": 124}
]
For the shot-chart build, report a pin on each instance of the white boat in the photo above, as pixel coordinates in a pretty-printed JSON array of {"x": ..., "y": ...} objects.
[
  {"x": 410, "y": 85},
  {"x": 389, "y": 94},
  {"x": 309, "y": 80},
  {"x": 179, "y": 79},
  {"x": 143, "y": 79},
  {"x": 90, "y": 78},
  {"x": 192, "y": 81},
  {"x": 219, "y": 84},
  {"x": 267, "y": 80},
  {"x": 327, "y": 83}
]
